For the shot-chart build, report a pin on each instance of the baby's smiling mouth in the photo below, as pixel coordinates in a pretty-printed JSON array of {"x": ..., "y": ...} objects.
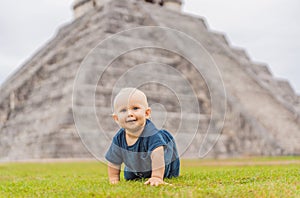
[{"x": 132, "y": 120}]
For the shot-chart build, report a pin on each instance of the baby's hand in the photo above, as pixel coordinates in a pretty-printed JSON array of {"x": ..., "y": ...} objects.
[{"x": 155, "y": 181}]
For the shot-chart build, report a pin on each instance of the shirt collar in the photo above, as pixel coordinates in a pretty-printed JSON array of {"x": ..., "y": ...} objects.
[{"x": 149, "y": 129}]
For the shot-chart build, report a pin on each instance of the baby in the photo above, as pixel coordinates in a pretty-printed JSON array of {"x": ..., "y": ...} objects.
[{"x": 146, "y": 151}]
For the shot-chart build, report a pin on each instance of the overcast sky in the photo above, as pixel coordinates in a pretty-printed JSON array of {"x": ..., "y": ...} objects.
[{"x": 269, "y": 30}]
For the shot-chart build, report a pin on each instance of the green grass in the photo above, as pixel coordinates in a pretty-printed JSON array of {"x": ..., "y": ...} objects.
[{"x": 198, "y": 179}]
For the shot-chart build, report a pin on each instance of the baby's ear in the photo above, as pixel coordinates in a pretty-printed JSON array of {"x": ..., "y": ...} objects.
[
  {"x": 148, "y": 112},
  {"x": 115, "y": 117}
]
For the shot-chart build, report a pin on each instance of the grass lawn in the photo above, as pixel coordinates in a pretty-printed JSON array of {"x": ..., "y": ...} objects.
[{"x": 199, "y": 178}]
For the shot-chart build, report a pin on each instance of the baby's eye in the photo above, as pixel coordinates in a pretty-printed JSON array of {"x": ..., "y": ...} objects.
[
  {"x": 135, "y": 108},
  {"x": 123, "y": 110}
]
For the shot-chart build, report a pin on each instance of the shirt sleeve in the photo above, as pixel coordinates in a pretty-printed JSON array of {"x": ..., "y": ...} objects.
[
  {"x": 155, "y": 141},
  {"x": 114, "y": 153}
]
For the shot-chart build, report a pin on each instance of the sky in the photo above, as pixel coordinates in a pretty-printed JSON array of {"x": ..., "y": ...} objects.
[{"x": 268, "y": 30}]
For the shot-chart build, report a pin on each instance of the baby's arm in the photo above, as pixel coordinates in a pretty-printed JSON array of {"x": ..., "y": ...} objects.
[
  {"x": 114, "y": 173},
  {"x": 158, "y": 167}
]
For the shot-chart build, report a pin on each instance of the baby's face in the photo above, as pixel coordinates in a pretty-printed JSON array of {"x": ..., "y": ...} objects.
[{"x": 131, "y": 111}]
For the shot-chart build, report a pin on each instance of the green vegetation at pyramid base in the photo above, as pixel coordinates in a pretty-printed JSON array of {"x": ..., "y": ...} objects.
[{"x": 89, "y": 179}]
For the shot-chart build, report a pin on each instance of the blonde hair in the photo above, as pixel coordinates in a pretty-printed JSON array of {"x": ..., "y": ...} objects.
[{"x": 130, "y": 92}]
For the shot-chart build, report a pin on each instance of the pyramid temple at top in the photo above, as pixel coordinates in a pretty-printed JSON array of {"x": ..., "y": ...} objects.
[{"x": 209, "y": 95}]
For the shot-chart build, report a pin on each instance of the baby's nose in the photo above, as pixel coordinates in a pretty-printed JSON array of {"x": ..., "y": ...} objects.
[{"x": 129, "y": 112}]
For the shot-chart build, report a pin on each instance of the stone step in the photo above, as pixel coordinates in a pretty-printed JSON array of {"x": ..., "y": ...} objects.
[
  {"x": 219, "y": 37},
  {"x": 140, "y": 38},
  {"x": 261, "y": 70},
  {"x": 83, "y": 27},
  {"x": 194, "y": 27},
  {"x": 30, "y": 126},
  {"x": 117, "y": 4},
  {"x": 42, "y": 94},
  {"x": 177, "y": 122},
  {"x": 145, "y": 74},
  {"x": 171, "y": 101},
  {"x": 168, "y": 16},
  {"x": 279, "y": 85},
  {"x": 38, "y": 94},
  {"x": 82, "y": 39},
  {"x": 51, "y": 145},
  {"x": 274, "y": 117},
  {"x": 54, "y": 80},
  {"x": 68, "y": 65},
  {"x": 282, "y": 90},
  {"x": 126, "y": 16},
  {"x": 150, "y": 73},
  {"x": 104, "y": 57},
  {"x": 240, "y": 53},
  {"x": 205, "y": 38},
  {"x": 279, "y": 88},
  {"x": 47, "y": 111},
  {"x": 132, "y": 58}
]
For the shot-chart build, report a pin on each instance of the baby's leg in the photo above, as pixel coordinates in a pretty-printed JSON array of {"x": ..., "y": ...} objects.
[
  {"x": 130, "y": 175},
  {"x": 136, "y": 175}
]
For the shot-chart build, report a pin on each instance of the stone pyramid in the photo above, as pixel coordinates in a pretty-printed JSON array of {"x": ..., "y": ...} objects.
[{"x": 210, "y": 95}]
